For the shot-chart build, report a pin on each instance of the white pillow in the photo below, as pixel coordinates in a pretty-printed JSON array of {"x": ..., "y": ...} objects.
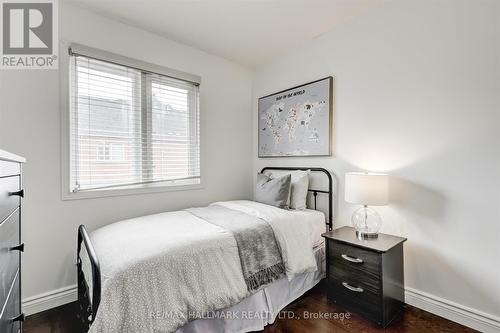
[{"x": 299, "y": 188}]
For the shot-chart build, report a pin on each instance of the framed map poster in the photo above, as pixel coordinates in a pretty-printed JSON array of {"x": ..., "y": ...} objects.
[{"x": 297, "y": 121}]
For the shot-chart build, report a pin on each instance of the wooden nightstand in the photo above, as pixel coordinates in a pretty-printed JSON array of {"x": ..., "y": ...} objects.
[{"x": 366, "y": 276}]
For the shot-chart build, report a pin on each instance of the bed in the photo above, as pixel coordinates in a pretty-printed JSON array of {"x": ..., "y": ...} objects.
[{"x": 207, "y": 269}]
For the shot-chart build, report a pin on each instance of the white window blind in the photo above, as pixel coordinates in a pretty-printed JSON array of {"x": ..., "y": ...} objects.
[{"x": 130, "y": 127}]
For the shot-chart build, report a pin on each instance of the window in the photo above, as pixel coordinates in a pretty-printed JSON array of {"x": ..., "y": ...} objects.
[
  {"x": 130, "y": 127},
  {"x": 110, "y": 152}
]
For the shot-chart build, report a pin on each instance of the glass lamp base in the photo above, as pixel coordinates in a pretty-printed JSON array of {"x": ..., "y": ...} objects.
[
  {"x": 364, "y": 235},
  {"x": 367, "y": 222}
]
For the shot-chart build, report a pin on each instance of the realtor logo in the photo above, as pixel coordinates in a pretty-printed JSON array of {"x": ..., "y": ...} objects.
[{"x": 28, "y": 37}]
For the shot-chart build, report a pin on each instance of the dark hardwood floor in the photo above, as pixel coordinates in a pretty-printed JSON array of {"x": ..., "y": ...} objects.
[{"x": 293, "y": 319}]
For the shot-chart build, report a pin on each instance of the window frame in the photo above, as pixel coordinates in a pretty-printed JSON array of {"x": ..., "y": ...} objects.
[{"x": 65, "y": 109}]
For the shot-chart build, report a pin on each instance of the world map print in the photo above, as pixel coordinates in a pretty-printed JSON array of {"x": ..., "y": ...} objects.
[{"x": 296, "y": 122}]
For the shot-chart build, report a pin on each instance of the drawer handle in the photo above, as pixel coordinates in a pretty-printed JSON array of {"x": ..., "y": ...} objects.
[
  {"x": 356, "y": 289},
  {"x": 19, "y": 318},
  {"x": 352, "y": 259},
  {"x": 18, "y": 193},
  {"x": 19, "y": 247}
]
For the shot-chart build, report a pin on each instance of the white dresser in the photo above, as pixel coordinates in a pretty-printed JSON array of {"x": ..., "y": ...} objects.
[{"x": 11, "y": 247}]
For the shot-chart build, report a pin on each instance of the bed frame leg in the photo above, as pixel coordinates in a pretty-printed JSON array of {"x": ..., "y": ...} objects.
[{"x": 87, "y": 309}]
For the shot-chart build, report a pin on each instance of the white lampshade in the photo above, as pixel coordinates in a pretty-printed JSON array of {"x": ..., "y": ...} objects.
[{"x": 371, "y": 189}]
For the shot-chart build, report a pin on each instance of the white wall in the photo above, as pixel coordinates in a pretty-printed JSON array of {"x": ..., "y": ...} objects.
[
  {"x": 417, "y": 86},
  {"x": 30, "y": 126},
  {"x": 416, "y": 95}
]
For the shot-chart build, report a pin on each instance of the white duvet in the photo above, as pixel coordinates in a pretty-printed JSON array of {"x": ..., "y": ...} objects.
[{"x": 160, "y": 271}]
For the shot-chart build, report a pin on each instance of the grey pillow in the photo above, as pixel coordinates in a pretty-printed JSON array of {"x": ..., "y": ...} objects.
[{"x": 273, "y": 191}]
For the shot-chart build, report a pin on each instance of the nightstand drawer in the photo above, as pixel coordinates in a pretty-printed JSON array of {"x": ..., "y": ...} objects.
[
  {"x": 353, "y": 258},
  {"x": 368, "y": 281},
  {"x": 357, "y": 297}
]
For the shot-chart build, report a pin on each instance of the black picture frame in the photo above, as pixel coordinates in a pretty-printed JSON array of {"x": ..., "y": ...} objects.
[{"x": 290, "y": 94}]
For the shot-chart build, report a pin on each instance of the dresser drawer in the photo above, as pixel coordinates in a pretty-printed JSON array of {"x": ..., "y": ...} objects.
[
  {"x": 9, "y": 168},
  {"x": 9, "y": 260},
  {"x": 12, "y": 310},
  {"x": 352, "y": 258},
  {"x": 8, "y": 203}
]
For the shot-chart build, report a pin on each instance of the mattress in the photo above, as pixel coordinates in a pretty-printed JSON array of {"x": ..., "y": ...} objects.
[
  {"x": 314, "y": 221},
  {"x": 262, "y": 308}
]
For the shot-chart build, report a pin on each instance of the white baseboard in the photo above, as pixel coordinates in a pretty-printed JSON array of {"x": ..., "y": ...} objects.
[
  {"x": 444, "y": 308},
  {"x": 49, "y": 300},
  {"x": 472, "y": 318}
]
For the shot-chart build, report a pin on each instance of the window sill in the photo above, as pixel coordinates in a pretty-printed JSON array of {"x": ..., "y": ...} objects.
[{"x": 129, "y": 190}]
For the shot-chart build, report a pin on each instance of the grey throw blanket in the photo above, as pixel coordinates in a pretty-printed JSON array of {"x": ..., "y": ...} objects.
[{"x": 258, "y": 250}]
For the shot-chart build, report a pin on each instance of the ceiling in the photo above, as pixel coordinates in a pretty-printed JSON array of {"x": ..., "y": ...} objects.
[{"x": 249, "y": 32}]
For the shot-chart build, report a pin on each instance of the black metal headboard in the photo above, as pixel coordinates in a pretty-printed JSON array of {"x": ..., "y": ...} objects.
[{"x": 315, "y": 192}]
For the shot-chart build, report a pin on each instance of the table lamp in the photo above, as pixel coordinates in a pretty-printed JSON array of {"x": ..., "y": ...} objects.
[{"x": 367, "y": 189}]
